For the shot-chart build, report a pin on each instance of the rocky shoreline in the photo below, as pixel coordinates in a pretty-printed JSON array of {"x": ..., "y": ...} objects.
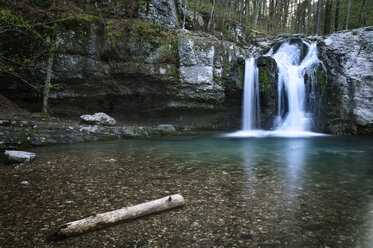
[{"x": 15, "y": 133}]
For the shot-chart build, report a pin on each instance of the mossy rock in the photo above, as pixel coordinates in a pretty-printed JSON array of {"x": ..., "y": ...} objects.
[{"x": 267, "y": 73}]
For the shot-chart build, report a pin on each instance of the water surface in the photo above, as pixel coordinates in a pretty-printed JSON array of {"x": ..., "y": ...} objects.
[{"x": 243, "y": 192}]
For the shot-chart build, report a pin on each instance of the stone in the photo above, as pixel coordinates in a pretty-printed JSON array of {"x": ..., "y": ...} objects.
[
  {"x": 268, "y": 77},
  {"x": 25, "y": 183},
  {"x": 19, "y": 156},
  {"x": 168, "y": 127},
  {"x": 138, "y": 73},
  {"x": 98, "y": 119},
  {"x": 159, "y": 12},
  {"x": 348, "y": 98}
]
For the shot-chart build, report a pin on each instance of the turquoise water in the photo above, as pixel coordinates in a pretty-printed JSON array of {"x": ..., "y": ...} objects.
[{"x": 243, "y": 192}]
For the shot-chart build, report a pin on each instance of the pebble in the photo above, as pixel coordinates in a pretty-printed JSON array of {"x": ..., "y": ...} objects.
[{"x": 25, "y": 183}]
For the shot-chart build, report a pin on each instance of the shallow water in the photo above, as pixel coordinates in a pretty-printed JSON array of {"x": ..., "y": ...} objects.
[{"x": 247, "y": 192}]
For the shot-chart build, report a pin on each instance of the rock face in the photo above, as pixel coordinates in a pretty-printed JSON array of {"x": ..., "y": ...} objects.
[
  {"x": 347, "y": 102},
  {"x": 19, "y": 156},
  {"x": 268, "y": 74},
  {"x": 160, "y": 12},
  {"x": 98, "y": 119},
  {"x": 146, "y": 72}
]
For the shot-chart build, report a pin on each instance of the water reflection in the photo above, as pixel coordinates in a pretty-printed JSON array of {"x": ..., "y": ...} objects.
[{"x": 269, "y": 192}]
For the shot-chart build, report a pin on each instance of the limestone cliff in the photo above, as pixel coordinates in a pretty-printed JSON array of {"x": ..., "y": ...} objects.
[
  {"x": 141, "y": 67},
  {"x": 347, "y": 102}
]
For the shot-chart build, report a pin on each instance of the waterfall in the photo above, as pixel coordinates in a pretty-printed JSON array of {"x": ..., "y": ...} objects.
[
  {"x": 251, "y": 106},
  {"x": 291, "y": 78},
  {"x": 295, "y": 59}
]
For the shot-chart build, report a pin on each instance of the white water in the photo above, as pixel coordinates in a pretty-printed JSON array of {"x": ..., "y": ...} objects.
[
  {"x": 251, "y": 106},
  {"x": 297, "y": 122}
]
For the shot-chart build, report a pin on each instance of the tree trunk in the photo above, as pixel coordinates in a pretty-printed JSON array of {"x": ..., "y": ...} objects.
[
  {"x": 226, "y": 3},
  {"x": 327, "y": 16},
  {"x": 47, "y": 83},
  {"x": 336, "y": 18},
  {"x": 286, "y": 13},
  {"x": 256, "y": 13},
  {"x": 53, "y": 44},
  {"x": 318, "y": 17},
  {"x": 361, "y": 14},
  {"x": 247, "y": 12},
  {"x": 99, "y": 221},
  {"x": 185, "y": 6},
  {"x": 195, "y": 11},
  {"x": 304, "y": 6},
  {"x": 271, "y": 13},
  {"x": 211, "y": 15},
  {"x": 348, "y": 13},
  {"x": 309, "y": 18}
]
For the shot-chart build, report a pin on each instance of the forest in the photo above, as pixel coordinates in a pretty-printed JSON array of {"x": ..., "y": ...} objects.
[{"x": 320, "y": 17}]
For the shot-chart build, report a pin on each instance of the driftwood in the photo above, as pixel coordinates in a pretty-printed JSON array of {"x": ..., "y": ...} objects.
[{"x": 109, "y": 218}]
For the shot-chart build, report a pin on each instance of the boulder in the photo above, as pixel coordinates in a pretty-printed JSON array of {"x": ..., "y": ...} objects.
[
  {"x": 348, "y": 96},
  {"x": 19, "y": 156},
  {"x": 167, "y": 127},
  {"x": 98, "y": 119},
  {"x": 159, "y": 12}
]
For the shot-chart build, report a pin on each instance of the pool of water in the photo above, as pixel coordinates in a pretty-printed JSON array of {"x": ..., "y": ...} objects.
[{"x": 242, "y": 192}]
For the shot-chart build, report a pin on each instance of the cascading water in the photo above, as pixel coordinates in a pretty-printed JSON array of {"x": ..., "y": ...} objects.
[
  {"x": 291, "y": 78},
  {"x": 251, "y": 106},
  {"x": 292, "y": 118}
]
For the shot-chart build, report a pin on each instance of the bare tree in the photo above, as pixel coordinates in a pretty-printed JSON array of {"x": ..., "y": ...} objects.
[
  {"x": 318, "y": 17},
  {"x": 336, "y": 18},
  {"x": 348, "y": 13},
  {"x": 53, "y": 42},
  {"x": 256, "y": 13},
  {"x": 185, "y": 6},
  {"x": 211, "y": 16},
  {"x": 362, "y": 14},
  {"x": 327, "y": 17}
]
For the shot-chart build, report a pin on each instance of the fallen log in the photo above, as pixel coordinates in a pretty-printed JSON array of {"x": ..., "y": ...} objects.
[{"x": 98, "y": 221}]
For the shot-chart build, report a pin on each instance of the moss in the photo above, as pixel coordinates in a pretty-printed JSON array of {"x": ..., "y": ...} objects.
[
  {"x": 321, "y": 78},
  {"x": 111, "y": 33},
  {"x": 242, "y": 76},
  {"x": 266, "y": 80},
  {"x": 80, "y": 24}
]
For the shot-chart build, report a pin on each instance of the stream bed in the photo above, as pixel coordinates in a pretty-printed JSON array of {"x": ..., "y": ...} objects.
[{"x": 240, "y": 192}]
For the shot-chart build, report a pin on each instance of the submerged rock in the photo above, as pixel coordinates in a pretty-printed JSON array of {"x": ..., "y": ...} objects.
[
  {"x": 19, "y": 156},
  {"x": 98, "y": 119}
]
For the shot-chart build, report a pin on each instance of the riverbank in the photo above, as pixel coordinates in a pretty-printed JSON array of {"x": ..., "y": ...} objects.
[{"x": 20, "y": 128}]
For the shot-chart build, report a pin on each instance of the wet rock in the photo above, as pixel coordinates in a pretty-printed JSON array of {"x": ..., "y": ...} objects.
[
  {"x": 19, "y": 156},
  {"x": 98, "y": 119},
  {"x": 25, "y": 183},
  {"x": 268, "y": 74},
  {"x": 168, "y": 127}
]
